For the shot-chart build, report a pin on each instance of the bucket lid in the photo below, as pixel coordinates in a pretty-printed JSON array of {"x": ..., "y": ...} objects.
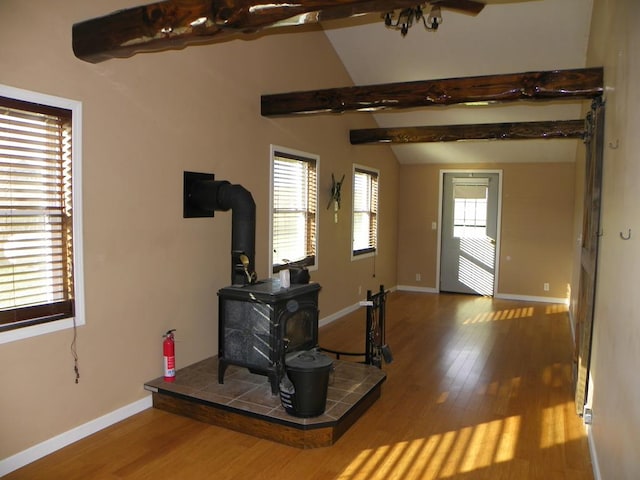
[{"x": 307, "y": 359}]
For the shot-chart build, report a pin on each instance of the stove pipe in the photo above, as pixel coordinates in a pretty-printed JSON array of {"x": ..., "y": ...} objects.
[{"x": 212, "y": 195}]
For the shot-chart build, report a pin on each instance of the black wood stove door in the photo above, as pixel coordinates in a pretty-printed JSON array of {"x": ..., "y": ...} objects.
[{"x": 255, "y": 320}]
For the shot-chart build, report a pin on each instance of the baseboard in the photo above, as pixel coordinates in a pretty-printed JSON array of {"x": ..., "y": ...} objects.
[
  {"x": 411, "y": 288},
  {"x": 503, "y": 296},
  {"x": 530, "y": 298},
  {"x": 337, "y": 315},
  {"x": 345, "y": 311},
  {"x": 42, "y": 449},
  {"x": 594, "y": 455}
]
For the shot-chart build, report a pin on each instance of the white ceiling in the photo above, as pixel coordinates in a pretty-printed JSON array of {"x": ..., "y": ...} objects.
[{"x": 518, "y": 36}]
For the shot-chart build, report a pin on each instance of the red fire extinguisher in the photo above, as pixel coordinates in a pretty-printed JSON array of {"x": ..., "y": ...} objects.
[{"x": 169, "y": 354}]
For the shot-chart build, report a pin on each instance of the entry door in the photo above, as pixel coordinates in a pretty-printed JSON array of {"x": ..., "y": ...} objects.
[{"x": 469, "y": 232}]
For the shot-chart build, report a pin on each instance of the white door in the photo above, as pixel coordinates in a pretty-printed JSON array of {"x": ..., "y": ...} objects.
[{"x": 469, "y": 232}]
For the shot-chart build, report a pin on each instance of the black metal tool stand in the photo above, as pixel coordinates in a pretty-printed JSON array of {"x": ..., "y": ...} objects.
[{"x": 375, "y": 347}]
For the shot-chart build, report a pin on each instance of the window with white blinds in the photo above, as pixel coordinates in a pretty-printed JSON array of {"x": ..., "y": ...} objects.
[
  {"x": 365, "y": 211},
  {"x": 36, "y": 224},
  {"x": 294, "y": 205}
]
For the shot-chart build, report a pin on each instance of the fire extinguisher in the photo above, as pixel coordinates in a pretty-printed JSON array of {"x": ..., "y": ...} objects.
[{"x": 169, "y": 355}]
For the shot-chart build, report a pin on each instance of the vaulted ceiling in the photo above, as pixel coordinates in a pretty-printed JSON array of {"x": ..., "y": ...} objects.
[{"x": 506, "y": 37}]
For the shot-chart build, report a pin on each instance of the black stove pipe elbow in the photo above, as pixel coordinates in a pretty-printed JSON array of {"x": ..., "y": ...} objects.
[
  {"x": 243, "y": 229},
  {"x": 204, "y": 196}
]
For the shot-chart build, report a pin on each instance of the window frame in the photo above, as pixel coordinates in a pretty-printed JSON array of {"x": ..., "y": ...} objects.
[
  {"x": 309, "y": 262},
  {"x": 370, "y": 251},
  {"x": 28, "y": 331}
]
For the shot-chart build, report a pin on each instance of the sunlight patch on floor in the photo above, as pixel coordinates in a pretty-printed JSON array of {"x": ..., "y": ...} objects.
[
  {"x": 442, "y": 455},
  {"x": 507, "y": 314},
  {"x": 556, "y": 308},
  {"x": 554, "y": 430}
]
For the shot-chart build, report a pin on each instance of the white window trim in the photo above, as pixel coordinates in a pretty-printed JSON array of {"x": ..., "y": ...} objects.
[
  {"x": 276, "y": 148},
  {"x": 366, "y": 168},
  {"x": 78, "y": 262}
]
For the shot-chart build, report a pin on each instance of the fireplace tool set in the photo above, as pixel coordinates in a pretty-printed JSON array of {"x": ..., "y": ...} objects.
[{"x": 376, "y": 348}]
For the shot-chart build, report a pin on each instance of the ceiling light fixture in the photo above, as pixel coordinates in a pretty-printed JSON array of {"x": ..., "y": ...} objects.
[{"x": 403, "y": 19}]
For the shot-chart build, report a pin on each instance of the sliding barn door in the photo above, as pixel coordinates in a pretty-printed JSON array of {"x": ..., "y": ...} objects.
[{"x": 589, "y": 255}]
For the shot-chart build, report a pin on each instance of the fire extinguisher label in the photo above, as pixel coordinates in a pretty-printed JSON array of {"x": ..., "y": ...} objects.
[{"x": 169, "y": 366}]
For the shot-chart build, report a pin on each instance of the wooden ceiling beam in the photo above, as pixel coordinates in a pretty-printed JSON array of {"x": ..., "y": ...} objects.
[
  {"x": 175, "y": 24},
  {"x": 454, "y": 133},
  {"x": 571, "y": 84}
]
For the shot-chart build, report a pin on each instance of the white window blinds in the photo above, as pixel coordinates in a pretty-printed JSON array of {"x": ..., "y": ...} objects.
[
  {"x": 36, "y": 271},
  {"x": 365, "y": 211},
  {"x": 294, "y": 209}
]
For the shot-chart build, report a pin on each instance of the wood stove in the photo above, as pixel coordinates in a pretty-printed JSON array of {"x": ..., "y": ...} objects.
[{"x": 257, "y": 322}]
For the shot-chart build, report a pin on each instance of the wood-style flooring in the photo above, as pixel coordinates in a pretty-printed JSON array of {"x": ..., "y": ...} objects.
[{"x": 479, "y": 389}]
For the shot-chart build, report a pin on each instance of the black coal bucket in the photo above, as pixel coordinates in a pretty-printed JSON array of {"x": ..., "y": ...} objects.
[{"x": 304, "y": 392}]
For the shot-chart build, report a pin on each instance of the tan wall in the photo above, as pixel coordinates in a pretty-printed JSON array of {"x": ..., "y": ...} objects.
[
  {"x": 537, "y": 226},
  {"x": 614, "y": 385},
  {"x": 146, "y": 120}
]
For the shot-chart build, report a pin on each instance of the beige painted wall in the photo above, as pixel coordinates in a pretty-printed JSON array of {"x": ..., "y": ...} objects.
[
  {"x": 146, "y": 120},
  {"x": 615, "y": 389},
  {"x": 537, "y": 226}
]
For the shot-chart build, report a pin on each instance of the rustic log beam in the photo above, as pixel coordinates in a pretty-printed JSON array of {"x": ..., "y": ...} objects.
[
  {"x": 551, "y": 85},
  {"x": 454, "y": 133},
  {"x": 179, "y": 23}
]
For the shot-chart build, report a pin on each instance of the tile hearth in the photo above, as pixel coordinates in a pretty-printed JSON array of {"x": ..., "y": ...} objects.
[{"x": 245, "y": 403}]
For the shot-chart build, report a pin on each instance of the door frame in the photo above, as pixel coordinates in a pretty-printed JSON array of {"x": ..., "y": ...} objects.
[{"x": 498, "y": 226}]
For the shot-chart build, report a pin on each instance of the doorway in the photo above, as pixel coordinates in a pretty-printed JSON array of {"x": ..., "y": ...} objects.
[{"x": 469, "y": 240}]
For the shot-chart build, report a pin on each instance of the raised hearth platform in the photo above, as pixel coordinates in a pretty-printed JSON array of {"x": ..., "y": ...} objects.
[{"x": 244, "y": 402}]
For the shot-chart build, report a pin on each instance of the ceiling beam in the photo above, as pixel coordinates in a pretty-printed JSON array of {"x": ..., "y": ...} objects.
[
  {"x": 550, "y": 85},
  {"x": 454, "y": 133},
  {"x": 174, "y": 24}
]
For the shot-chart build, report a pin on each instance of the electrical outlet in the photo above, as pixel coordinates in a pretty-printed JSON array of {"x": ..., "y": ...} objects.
[
  {"x": 587, "y": 416},
  {"x": 359, "y": 289},
  {"x": 546, "y": 287},
  {"x": 418, "y": 277}
]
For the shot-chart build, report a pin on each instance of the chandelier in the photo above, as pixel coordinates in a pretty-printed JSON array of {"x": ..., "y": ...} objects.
[{"x": 404, "y": 19}]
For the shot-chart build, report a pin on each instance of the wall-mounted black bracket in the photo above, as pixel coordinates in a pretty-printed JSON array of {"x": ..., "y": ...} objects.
[{"x": 191, "y": 208}]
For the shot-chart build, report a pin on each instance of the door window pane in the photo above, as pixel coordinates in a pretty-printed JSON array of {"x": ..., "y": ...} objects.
[{"x": 470, "y": 211}]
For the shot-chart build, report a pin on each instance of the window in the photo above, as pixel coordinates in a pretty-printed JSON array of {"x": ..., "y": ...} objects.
[
  {"x": 470, "y": 197},
  {"x": 365, "y": 211},
  {"x": 39, "y": 245},
  {"x": 293, "y": 206}
]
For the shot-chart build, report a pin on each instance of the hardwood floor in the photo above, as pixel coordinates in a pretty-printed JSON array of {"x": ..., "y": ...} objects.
[{"x": 478, "y": 389}]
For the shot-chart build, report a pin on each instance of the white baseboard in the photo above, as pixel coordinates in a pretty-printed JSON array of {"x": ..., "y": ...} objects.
[
  {"x": 504, "y": 296},
  {"x": 594, "y": 455},
  {"x": 42, "y": 449},
  {"x": 339, "y": 314},
  {"x": 530, "y": 298},
  {"x": 345, "y": 311},
  {"x": 411, "y": 288}
]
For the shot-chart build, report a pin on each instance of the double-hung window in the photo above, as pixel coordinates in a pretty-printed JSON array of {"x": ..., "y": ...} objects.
[
  {"x": 38, "y": 238},
  {"x": 365, "y": 211},
  {"x": 294, "y": 223}
]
